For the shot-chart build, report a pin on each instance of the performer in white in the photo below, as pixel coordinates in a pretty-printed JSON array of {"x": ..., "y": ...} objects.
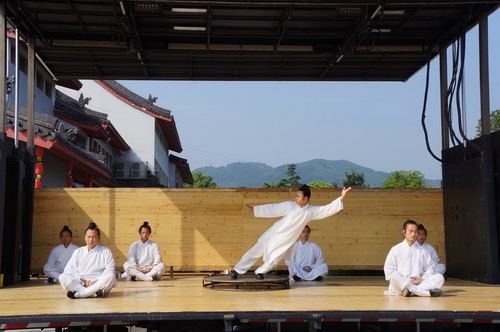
[
  {"x": 91, "y": 270},
  {"x": 410, "y": 269},
  {"x": 308, "y": 262},
  {"x": 421, "y": 237},
  {"x": 144, "y": 259},
  {"x": 59, "y": 256},
  {"x": 277, "y": 242}
]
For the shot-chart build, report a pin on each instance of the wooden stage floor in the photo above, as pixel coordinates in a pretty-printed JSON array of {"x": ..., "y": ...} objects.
[{"x": 335, "y": 298}]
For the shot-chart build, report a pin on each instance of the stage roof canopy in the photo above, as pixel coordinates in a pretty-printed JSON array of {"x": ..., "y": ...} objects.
[{"x": 307, "y": 40}]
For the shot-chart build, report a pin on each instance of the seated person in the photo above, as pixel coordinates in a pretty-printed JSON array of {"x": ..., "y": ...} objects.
[
  {"x": 308, "y": 262},
  {"x": 421, "y": 237},
  {"x": 91, "y": 270},
  {"x": 144, "y": 259},
  {"x": 59, "y": 256},
  {"x": 410, "y": 269}
]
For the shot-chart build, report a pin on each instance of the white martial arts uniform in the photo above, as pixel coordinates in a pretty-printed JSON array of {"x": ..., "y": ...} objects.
[
  {"x": 277, "y": 242},
  {"x": 97, "y": 264},
  {"x": 438, "y": 267},
  {"x": 403, "y": 262},
  {"x": 308, "y": 254},
  {"x": 58, "y": 258},
  {"x": 144, "y": 255}
]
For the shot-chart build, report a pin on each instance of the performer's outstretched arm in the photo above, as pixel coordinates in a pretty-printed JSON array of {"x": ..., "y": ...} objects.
[{"x": 334, "y": 207}]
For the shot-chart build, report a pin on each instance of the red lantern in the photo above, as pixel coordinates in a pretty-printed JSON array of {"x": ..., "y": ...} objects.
[
  {"x": 39, "y": 151},
  {"x": 39, "y": 169},
  {"x": 69, "y": 181},
  {"x": 39, "y": 166}
]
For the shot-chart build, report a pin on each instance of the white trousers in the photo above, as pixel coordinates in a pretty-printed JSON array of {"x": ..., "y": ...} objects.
[
  {"x": 133, "y": 271},
  {"x": 251, "y": 256},
  {"x": 398, "y": 283},
  {"x": 296, "y": 269},
  {"x": 53, "y": 273},
  {"x": 72, "y": 282}
]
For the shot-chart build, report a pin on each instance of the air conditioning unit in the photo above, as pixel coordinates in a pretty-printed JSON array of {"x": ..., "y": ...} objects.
[
  {"x": 122, "y": 170},
  {"x": 138, "y": 170}
]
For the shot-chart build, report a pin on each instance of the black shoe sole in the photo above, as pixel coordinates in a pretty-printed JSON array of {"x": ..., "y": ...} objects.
[
  {"x": 233, "y": 274},
  {"x": 259, "y": 276},
  {"x": 71, "y": 295}
]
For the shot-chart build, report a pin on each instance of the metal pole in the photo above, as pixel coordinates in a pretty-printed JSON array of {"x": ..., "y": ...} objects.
[
  {"x": 3, "y": 156},
  {"x": 443, "y": 84},
  {"x": 3, "y": 65},
  {"x": 30, "y": 143},
  {"x": 16, "y": 92}
]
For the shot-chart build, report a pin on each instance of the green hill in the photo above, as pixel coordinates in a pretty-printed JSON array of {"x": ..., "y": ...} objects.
[{"x": 253, "y": 175}]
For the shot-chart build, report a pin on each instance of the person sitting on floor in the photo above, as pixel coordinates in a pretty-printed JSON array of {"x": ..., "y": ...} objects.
[
  {"x": 421, "y": 237},
  {"x": 308, "y": 262},
  {"x": 59, "y": 256},
  {"x": 144, "y": 259},
  {"x": 410, "y": 269},
  {"x": 91, "y": 270}
]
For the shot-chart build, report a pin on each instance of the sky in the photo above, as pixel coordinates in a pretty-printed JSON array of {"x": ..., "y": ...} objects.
[{"x": 374, "y": 124}]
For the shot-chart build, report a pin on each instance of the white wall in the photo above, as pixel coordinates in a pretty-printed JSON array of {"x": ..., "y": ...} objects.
[
  {"x": 161, "y": 152},
  {"x": 136, "y": 127}
]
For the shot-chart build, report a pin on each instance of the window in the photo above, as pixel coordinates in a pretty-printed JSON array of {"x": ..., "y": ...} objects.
[
  {"x": 40, "y": 80},
  {"x": 48, "y": 87},
  {"x": 13, "y": 54},
  {"x": 23, "y": 61}
]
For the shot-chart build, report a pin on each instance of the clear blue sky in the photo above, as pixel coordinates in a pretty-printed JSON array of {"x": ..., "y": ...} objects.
[{"x": 376, "y": 125}]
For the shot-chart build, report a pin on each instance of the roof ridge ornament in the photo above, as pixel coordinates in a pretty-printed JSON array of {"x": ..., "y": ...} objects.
[
  {"x": 83, "y": 101},
  {"x": 151, "y": 100}
]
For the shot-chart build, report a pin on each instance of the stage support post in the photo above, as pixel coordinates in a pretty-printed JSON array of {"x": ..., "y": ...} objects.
[
  {"x": 488, "y": 169},
  {"x": 3, "y": 136}
]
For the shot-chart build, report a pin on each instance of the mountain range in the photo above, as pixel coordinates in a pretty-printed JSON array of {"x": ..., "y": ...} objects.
[{"x": 253, "y": 175}]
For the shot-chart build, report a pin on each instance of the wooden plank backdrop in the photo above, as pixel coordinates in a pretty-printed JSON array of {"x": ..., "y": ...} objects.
[{"x": 209, "y": 229}]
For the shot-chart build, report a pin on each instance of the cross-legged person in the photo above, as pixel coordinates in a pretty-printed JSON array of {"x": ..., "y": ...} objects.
[
  {"x": 59, "y": 256},
  {"x": 308, "y": 262},
  {"x": 278, "y": 241},
  {"x": 144, "y": 259},
  {"x": 410, "y": 269},
  {"x": 91, "y": 270},
  {"x": 421, "y": 237}
]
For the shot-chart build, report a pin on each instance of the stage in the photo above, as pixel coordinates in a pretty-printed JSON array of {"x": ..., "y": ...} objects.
[{"x": 336, "y": 299}]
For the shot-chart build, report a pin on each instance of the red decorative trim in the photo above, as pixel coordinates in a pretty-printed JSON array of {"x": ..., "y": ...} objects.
[{"x": 39, "y": 141}]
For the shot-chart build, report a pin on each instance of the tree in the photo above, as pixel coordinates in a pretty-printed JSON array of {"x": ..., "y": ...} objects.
[
  {"x": 495, "y": 123},
  {"x": 321, "y": 184},
  {"x": 291, "y": 181},
  {"x": 405, "y": 179},
  {"x": 201, "y": 180},
  {"x": 354, "y": 179}
]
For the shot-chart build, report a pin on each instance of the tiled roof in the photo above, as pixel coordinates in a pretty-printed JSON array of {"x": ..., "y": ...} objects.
[
  {"x": 136, "y": 99},
  {"x": 165, "y": 120},
  {"x": 49, "y": 127},
  {"x": 183, "y": 167},
  {"x": 73, "y": 110}
]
